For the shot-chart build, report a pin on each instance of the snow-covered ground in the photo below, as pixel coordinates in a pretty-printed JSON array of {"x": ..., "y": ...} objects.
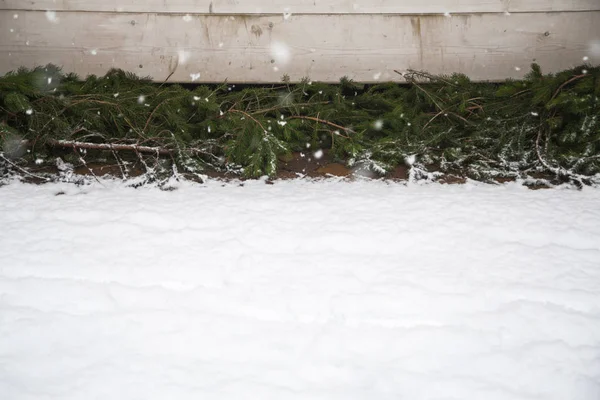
[{"x": 299, "y": 290}]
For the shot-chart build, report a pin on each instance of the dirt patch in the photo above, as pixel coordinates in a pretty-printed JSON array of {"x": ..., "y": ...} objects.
[
  {"x": 100, "y": 169},
  {"x": 537, "y": 185},
  {"x": 400, "y": 173},
  {"x": 296, "y": 165},
  {"x": 334, "y": 169},
  {"x": 306, "y": 163},
  {"x": 453, "y": 180},
  {"x": 504, "y": 179}
]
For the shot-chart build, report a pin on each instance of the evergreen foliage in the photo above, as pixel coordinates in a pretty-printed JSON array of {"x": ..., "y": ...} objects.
[{"x": 544, "y": 123}]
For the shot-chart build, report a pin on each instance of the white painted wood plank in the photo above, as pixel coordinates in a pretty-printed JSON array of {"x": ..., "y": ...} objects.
[
  {"x": 304, "y": 6},
  {"x": 322, "y": 47}
]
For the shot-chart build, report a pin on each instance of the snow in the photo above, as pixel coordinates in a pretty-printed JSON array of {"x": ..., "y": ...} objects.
[
  {"x": 281, "y": 53},
  {"x": 299, "y": 290},
  {"x": 183, "y": 56},
  {"x": 51, "y": 16}
]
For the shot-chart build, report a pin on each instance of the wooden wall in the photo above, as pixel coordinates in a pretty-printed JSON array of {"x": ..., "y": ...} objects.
[{"x": 261, "y": 40}]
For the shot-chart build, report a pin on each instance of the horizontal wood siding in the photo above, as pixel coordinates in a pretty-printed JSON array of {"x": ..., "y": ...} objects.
[
  {"x": 181, "y": 40},
  {"x": 304, "y": 6}
]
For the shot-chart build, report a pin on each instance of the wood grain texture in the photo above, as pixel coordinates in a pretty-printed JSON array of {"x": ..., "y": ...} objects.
[
  {"x": 304, "y": 6},
  {"x": 323, "y": 47}
]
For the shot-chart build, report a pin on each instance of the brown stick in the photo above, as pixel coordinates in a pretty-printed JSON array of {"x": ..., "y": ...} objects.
[
  {"x": 22, "y": 169},
  {"x": 249, "y": 116},
  {"x": 265, "y": 110},
  {"x": 321, "y": 121},
  {"x": 108, "y": 146},
  {"x": 86, "y": 166},
  {"x": 566, "y": 83}
]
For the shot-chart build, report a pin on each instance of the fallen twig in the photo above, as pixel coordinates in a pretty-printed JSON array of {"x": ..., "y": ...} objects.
[
  {"x": 565, "y": 84},
  {"x": 22, "y": 169},
  {"x": 82, "y": 161},
  {"x": 108, "y": 146},
  {"x": 233, "y": 110},
  {"x": 322, "y": 121}
]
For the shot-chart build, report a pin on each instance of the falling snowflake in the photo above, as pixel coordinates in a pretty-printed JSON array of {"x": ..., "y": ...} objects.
[
  {"x": 116, "y": 95},
  {"x": 187, "y": 18},
  {"x": 94, "y": 52},
  {"x": 49, "y": 80},
  {"x": 586, "y": 58},
  {"x": 410, "y": 160},
  {"x": 182, "y": 56},
  {"x": 447, "y": 14},
  {"x": 196, "y": 98},
  {"x": 318, "y": 154},
  {"x": 286, "y": 13},
  {"x": 517, "y": 68},
  {"x": 15, "y": 16},
  {"x": 376, "y": 76},
  {"x": 378, "y": 125},
  {"x": 51, "y": 16},
  {"x": 280, "y": 53},
  {"x": 141, "y": 99},
  {"x": 221, "y": 44},
  {"x": 195, "y": 77},
  {"x": 29, "y": 111}
]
